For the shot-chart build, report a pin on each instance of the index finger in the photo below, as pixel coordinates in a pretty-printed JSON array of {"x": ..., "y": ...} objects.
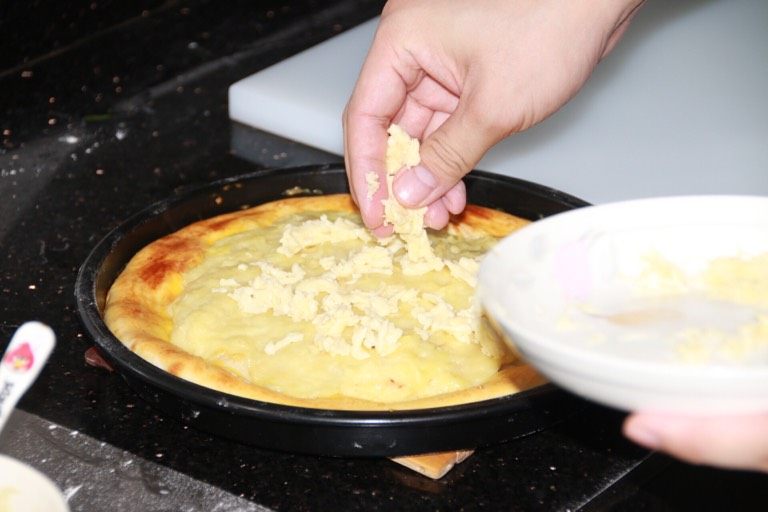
[{"x": 379, "y": 93}]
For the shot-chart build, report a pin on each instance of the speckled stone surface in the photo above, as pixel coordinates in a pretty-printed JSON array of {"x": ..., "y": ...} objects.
[
  {"x": 111, "y": 109},
  {"x": 94, "y": 475}
]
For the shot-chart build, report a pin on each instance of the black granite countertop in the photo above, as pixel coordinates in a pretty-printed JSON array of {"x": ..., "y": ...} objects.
[{"x": 106, "y": 108}]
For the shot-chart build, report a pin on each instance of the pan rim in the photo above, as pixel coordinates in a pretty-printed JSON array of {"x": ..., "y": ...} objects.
[{"x": 128, "y": 362}]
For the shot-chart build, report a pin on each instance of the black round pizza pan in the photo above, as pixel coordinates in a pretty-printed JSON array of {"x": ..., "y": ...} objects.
[{"x": 315, "y": 431}]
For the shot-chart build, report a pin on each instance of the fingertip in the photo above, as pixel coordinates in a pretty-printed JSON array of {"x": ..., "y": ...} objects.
[
  {"x": 373, "y": 216},
  {"x": 436, "y": 216},
  {"x": 455, "y": 200},
  {"x": 638, "y": 430},
  {"x": 383, "y": 231}
]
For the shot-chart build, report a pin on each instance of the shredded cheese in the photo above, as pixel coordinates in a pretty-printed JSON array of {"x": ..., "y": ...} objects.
[
  {"x": 403, "y": 151},
  {"x": 372, "y": 184},
  {"x": 273, "y": 347},
  {"x": 315, "y": 232}
]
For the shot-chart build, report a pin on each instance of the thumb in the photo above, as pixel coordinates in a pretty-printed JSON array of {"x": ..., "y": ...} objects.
[
  {"x": 738, "y": 442},
  {"x": 447, "y": 154}
]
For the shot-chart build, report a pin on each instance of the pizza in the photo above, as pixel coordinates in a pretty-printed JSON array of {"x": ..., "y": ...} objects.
[{"x": 295, "y": 302}]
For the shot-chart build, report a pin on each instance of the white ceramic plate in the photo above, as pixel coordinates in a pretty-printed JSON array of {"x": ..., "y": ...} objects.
[
  {"x": 614, "y": 302},
  {"x": 24, "y": 489}
]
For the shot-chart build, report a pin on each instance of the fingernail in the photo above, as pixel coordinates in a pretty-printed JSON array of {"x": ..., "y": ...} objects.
[
  {"x": 642, "y": 435},
  {"x": 413, "y": 186},
  {"x": 382, "y": 231}
]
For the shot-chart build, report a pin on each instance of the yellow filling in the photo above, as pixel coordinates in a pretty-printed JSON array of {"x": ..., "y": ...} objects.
[{"x": 313, "y": 318}]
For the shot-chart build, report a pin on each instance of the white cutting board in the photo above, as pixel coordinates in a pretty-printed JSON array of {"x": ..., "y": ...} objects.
[{"x": 681, "y": 107}]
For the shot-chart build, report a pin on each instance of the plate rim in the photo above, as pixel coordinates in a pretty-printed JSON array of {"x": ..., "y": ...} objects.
[{"x": 687, "y": 371}]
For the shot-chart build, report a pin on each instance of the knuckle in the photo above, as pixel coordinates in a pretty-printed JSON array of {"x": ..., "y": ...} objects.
[
  {"x": 446, "y": 159},
  {"x": 492, "y": 124},
  {"x": 495, "y": 119}
]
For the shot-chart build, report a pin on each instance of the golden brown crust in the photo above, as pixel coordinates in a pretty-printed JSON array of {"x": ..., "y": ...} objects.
[
  {"x": 137, "y": 303},
  {"x": 491, "y": 222}
]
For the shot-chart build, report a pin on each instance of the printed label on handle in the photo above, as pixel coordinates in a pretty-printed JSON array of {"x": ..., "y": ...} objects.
[
  {"x": 24, "y": 358},
  {"x": 20, "y": 359}
]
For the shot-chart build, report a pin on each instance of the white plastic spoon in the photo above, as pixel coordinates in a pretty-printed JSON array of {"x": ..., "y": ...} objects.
[{"x": 25, "y": 356}]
